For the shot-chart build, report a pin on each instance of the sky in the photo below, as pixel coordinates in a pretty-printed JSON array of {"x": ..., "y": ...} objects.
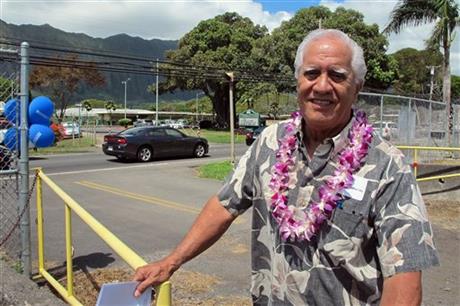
[{"x": 171, "y": 19}]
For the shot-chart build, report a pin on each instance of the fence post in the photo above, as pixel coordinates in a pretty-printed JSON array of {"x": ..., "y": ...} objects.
[
  {"x": 408, "y": 122},
  {"x": 429, "y": 123},
  {"x": 24, "y": 163},
  {"x": 381, "y": 115}
]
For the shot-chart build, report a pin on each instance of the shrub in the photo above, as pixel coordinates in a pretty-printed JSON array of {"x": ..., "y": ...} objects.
[{"x": 124, "y": 122}]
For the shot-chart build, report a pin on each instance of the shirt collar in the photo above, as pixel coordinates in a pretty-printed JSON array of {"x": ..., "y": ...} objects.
[{"x": 338, "y": 142}]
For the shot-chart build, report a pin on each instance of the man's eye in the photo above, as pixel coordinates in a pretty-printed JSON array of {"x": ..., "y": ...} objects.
[
  {"x": 337, "y": 76},
  {"x": 311, "y": 74}
]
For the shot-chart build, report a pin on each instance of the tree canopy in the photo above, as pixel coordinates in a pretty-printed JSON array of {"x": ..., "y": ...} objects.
[
  {"x": 280, "y": 48},
  {"x": 414, "y": 72},
  {"x": 233, "y": 43},
  {"x": 62, "y": 82},
  {"x": 223, "y": 42}
]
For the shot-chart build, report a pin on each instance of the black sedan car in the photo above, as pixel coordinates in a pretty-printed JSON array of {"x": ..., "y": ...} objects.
[{"x": 144, "y": 143}]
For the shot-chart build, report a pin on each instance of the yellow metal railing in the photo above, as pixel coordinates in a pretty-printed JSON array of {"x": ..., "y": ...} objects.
[
  {"x": 163, "y": 291},
  {"x": 415, "y": 161}
]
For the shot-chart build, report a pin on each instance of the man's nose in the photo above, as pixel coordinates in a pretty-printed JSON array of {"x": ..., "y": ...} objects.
[{"x": 322, "y": 84}]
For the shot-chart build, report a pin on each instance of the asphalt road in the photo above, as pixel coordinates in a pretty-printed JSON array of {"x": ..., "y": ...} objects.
[{"x": 97, "y": 160}]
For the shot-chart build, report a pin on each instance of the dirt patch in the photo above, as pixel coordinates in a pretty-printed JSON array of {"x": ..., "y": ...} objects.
[
  {"x": 444, "y": 213},
  {"x": 190, "y": 288}
]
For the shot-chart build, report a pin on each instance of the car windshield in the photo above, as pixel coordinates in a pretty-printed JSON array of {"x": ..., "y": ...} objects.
[{"x": 132, "y": 131}]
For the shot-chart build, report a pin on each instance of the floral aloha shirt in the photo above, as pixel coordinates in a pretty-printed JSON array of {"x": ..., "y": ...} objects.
[{"x": 372, "y": 235}]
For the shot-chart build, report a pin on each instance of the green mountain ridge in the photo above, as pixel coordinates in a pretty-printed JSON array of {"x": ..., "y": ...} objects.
[{"x": 119, "y": 44}]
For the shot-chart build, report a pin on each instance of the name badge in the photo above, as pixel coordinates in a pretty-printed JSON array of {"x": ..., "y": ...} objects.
[{"x": 357, "y": 190}]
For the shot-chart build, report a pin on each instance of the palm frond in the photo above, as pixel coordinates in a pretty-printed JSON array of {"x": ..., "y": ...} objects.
[{"x": 411, "y": 13}]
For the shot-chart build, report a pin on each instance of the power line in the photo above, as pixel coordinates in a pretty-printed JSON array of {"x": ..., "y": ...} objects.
[{"x": 241, "y": 74}]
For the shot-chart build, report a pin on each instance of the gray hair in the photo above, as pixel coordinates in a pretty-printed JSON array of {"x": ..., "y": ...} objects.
[{"x": 358, "y": 65}]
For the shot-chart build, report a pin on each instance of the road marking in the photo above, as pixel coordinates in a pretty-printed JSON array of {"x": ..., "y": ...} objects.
[
  {"x": 194, "y": 163},
  {"x": 102, "y": 169},
  {"x": 136, "y": 196},
  {"x": 148, "y": 199}
]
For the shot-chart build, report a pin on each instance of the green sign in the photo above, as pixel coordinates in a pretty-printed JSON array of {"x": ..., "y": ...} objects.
[{"x": 249, "y": 118}]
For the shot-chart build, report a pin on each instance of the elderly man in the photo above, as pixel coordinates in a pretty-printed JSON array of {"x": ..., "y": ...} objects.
[{"x": 338, "y": 218}]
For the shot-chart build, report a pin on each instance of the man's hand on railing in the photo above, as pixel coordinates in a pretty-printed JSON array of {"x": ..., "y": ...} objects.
[
  {"x": 210, "y": 225},
  {"x": 153, "y": 274}
]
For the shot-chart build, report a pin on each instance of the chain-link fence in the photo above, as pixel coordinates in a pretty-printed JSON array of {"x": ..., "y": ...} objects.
[
  {"x": 10, "y": 243},
  {"x": 413, "y": 122}
]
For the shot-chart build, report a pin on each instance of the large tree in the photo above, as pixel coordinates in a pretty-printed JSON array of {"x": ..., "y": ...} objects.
[
  {"x": 446, "y": 15},
  {"x": 414, "y": 76},
  {"x": 63, "y": 78},
  {"x": 280, "y": 48},
  {"x": 224, "y": 42}
]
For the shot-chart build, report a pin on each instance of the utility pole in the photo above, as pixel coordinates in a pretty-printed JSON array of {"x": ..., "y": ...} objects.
[
  {"x": 196, "y": 111},
  {"x": 432, "y": 68},
  {"x": 231, "y": 76},
  {"x": 156, "y": 97},
  {"x": 125, "y": 83}
]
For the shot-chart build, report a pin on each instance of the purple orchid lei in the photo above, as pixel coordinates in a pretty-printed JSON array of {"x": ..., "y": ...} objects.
[{"x": 303, "y": 224}]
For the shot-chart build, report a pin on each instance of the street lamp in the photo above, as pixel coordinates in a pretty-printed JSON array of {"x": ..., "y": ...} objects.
[{"x": 125, "y": 82}]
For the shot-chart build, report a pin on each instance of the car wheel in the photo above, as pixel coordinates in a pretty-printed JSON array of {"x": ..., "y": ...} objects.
[
  {"x": 144, "y": 154},
  {"x": 199, "y": 150}
]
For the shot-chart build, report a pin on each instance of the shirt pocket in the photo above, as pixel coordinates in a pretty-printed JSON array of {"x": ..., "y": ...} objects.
[
  {"x": 348, "y": 223},
  {"x": 350, "y": 220}
]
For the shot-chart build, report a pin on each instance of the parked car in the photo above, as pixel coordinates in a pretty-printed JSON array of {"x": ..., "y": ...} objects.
[
  {"x": 251, "y": 136},
  {"x": 180, "y": 124},
  {"x": 144, "y": 122},
  {"x": 71, "y": 130},
  {"x": 145, "y": 143}
]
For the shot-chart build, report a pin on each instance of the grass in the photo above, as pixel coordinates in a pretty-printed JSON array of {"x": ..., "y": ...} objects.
[
  {"x": 76, "y": 145},
  {"x": 189, "y": 288},
  {"x": 217, "y": 171},
  {"x": 215, "y": 136}
]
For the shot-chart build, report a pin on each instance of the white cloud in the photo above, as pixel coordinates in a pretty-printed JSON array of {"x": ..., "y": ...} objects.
[
  {"x": 411, "y": 37},
  {"x": 147, "y": 19}
]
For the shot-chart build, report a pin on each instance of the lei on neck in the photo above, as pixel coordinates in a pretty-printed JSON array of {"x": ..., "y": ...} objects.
[{"x": 302, "y": 224}]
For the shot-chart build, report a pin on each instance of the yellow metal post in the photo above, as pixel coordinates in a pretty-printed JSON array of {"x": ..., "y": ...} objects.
[
  {"x": 415, "y": 163},
  {"x": 40, "y": 235},
  {"x": 164, "y": 294},
  {"x": 60, "y": 289},
  {"x": 68, "y": 249}
]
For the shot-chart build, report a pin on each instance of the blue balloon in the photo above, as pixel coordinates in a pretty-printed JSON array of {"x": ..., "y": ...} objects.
[
  {"x": 11, "y": 109},
  {"x": 41, "y": 136},
  {"x": 10, "y": 140},
  {"x": 40, "y": 111}
]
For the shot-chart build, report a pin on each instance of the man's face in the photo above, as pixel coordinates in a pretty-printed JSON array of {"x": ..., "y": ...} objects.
[{"x": 326, "y": 86}]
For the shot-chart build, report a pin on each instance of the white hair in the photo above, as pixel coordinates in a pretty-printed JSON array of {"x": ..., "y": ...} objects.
[{"x": 358, "y": 65}]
